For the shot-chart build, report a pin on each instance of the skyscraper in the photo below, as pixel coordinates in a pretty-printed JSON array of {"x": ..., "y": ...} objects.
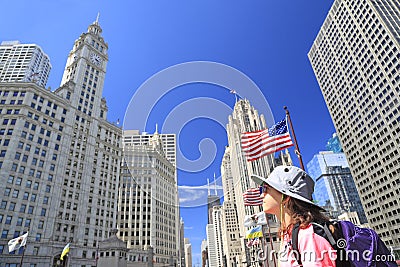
[
  {"x": 355, "y": 58},
  {"x": 230, "y": 223},
  {"x": 334, "y": 185},
  {"x": 148, "y": 212},
  {"x": 23, "y": 63},
  {"x": 134, "y": 137},
  {"x": 60, "y": 160},
  {"x": 212, "y": 201},
  {"x": 188, "y": 253},
  {"x": 334, "y": 144},
  {"x": 214, "y": 238},
  {"x": 182, "y": 252},
  {"x": 245, "y": 118}
]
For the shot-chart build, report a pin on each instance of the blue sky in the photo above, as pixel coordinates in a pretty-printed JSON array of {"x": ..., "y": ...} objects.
[{"x": 267, "y": 41}]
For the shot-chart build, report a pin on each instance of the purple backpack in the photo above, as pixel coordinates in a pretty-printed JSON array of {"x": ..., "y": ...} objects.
[
  {"x": 355, "y": 246},
  {"x": 366, "y": 246}
]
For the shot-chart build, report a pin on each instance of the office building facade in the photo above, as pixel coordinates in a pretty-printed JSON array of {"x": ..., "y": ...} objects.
[
  {"x": 23, "y": 63},
  {"x": 148, "y": 208},
  {"x": 214, "y": 238},
  {"x": 334, "y": 184},
  {"x": 230, "y": 223},
  {"x": 355, "y": 58},
  {"x": 188, "y": 253},
  {"x": 60, "y": 161}
]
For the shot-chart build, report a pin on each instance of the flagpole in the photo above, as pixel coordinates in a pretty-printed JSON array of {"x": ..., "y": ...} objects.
[
  {"x": 22, "y": 257},
  {"x": 270, "y": 241},
  {"x": 297, "y": 151},
  {"x": 97, "y": 253}
]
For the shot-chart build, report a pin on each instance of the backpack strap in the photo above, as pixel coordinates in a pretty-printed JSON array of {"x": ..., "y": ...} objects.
[
  {"x": 322, "y": 231},
  {"x": 295, "y": 243},
  {"x": 327, "y": 233}
]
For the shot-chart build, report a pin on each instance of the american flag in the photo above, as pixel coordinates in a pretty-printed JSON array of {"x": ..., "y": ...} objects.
[
  {"x": 252, "y": 197},
  {"x": 264, "y": 142}
]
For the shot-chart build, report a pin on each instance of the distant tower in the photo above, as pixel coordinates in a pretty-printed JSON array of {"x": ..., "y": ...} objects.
[
  {"x": 188, "y": 253},
  {"x": 334, "y": 144},
  {"x": 182, "y": 251},
  {"x": 334, "y": 185},
  {"x": 355, "y": 58},
  {"x": 212, "y": 200},
  {"x": 232, "y": 244},
  {"x": 204, "y": 253},
  {"x": 214, "y": 238},
  {"x": 23, "y": 63}
]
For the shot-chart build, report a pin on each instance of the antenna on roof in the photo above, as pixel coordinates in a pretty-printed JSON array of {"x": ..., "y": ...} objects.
[{"x": 215, "y": 186}]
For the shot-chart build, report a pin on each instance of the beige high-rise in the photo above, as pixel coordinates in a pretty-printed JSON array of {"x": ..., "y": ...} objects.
[
  {"x": 23, "y": 63},
  {"x": 245, "y": 118},
  {"x": 148, "y": 207},
  {"x": 60, "y": 161},
  {"x": 232, "y": 243},
  {"x": 356, "y": 60}
]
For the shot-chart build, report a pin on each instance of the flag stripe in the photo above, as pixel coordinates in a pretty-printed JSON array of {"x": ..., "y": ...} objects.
[
  {"x": 252, "y": 197},
  {"x": 248, "y": 145},
  {"x": 267, "y": 152},
  {"x": 264, "y": 142}
]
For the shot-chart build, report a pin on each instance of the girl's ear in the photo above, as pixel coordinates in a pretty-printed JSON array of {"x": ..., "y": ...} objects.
[{"x": 285, "y": 199}]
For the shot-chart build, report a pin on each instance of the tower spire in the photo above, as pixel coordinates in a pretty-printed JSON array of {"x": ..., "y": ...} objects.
[
  {"x": 97, "y": 18},
  {"x": 208, "y": 186}
]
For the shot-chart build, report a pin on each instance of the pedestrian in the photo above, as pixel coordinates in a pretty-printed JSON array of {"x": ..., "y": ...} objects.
[{"x": 287, "y": 194}]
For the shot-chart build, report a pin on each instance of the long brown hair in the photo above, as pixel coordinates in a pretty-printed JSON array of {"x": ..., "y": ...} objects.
[{"x": 304, "y": 213}]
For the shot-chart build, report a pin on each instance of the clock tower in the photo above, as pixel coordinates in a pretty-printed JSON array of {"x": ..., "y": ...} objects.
[
  {"x": 86, "y": 68},
  {"x": 88, "y": 171}
]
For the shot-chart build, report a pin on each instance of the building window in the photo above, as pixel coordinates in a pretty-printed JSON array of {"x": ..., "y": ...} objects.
[
  {"x": 15, "y": 193},
  {"x": 22, "y": 208},
  {"x": 30, "y": 210},
  {"x": 4, "y": 234},
  {"x": 12, "y": 206},
  {"x": 7, "y": 192},
  {"x": 8, "y": 220}
]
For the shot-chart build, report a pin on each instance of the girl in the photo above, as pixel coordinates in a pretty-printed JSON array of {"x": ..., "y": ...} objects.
[{"x": 287, "y": 193}]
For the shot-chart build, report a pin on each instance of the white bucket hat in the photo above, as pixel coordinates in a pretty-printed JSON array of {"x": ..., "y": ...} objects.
[{"x": 291, "y": 181}]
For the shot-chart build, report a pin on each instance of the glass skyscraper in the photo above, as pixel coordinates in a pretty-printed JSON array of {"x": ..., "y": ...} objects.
[{"x": 334, "y": 184}]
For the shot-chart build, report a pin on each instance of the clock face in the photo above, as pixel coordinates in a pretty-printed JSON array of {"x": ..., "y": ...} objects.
[{"x": 95, "y": 59}]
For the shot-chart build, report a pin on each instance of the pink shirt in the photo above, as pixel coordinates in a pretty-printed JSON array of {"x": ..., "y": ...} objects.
[{"x": 314, "y": 250}]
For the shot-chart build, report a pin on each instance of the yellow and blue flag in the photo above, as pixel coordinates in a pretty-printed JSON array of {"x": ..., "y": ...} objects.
[
  {"x": 64, "y": 252},
  {"x": 255, "y": 232}
]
